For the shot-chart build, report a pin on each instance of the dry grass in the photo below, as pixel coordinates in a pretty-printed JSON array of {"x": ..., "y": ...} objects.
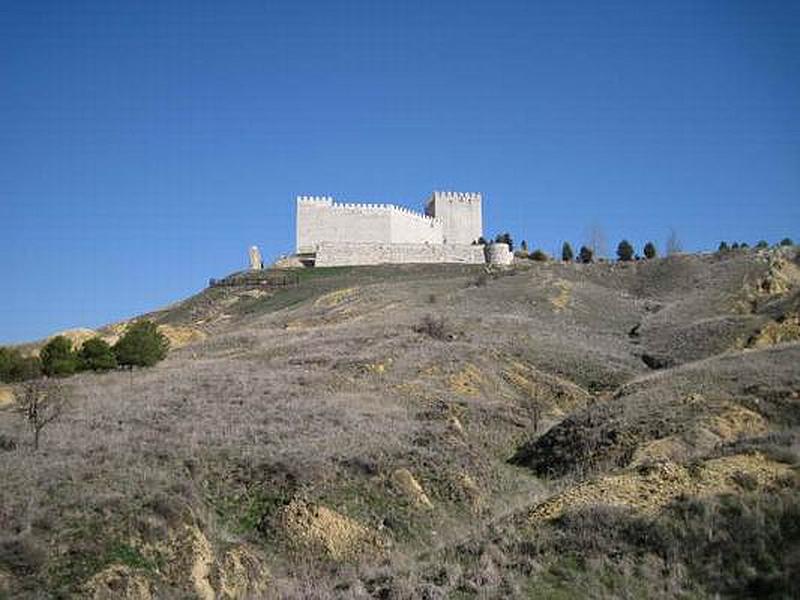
[{"x": 291, "y": 420}]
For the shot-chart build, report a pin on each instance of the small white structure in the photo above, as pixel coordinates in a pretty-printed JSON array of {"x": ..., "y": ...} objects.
[
  {"x": 255, "y": 258},
  {"x": 335, "y": 233},
  {"x": 499, "y": 254}
]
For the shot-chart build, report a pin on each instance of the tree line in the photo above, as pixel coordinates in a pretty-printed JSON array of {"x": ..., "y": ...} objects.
[
  {"x": 141, "y": 345},
  {"x": 625, "y": 251}
]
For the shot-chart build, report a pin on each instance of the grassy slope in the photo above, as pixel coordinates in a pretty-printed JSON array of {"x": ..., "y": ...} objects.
[{"x": 536, "y": 390}]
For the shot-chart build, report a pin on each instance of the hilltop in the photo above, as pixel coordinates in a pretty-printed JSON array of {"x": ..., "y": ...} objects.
[{"x": 604, "y": 430}]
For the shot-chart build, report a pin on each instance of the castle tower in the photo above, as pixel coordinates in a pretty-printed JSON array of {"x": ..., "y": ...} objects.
[{"x": 460, "y": 213}]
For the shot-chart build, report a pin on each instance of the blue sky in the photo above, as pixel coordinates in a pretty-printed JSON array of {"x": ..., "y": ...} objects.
[{"x": 144, "y": 145}]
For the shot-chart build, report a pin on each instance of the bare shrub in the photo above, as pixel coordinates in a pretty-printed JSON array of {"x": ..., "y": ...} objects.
[
  {"x": 41, "y": 403},
  {"x": 437, "y": 328}
]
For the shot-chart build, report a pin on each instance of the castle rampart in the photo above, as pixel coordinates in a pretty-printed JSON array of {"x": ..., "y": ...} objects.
[{"x": 450, "y": 219}]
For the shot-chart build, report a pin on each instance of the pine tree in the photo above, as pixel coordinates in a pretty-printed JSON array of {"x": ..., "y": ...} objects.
[
  {"x": 625, "y": 251},
  {"x": 650, "y": 251},
  {"x": 142, "y": 345},
  {"x": 58, "y": 358},
  {"x": 585, "y": 255},
  {"x": 96, "y": 355},
  {"x": 566, "y": 252}
]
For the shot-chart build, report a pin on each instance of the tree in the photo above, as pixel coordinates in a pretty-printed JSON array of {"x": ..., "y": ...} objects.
[
  {"x": 7, "y": 358},
  {"x": 650, "y": 251},
  {"x": 539, "y": 255},
  {"x": 585, "y": 255},
  {"x": 735, "y": 246},
  {"x": 673, "y": 245},
  {"x": 786, "y": 242},
  {"x": 625, "y": 251},
  {"x": 481, "y": 241},
  {"x": 96, "y": 355},
  {"x": 723, "y": 247},
  {"x": 58, "y": 358},
  {"x": 523, "y": 246},
  {"x": 15, "y": 367},
  {"x": 566, "y": 252},
  {"x": 41, "y": 403},
  {"x": 762, "y": 245},
  {"x": 141, "y": 345}
]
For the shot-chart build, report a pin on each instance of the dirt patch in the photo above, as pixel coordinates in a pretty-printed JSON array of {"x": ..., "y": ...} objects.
[
  {"x": 649, "y": 489},
  {"x": 730, "y": 423},
  {"x": 181, "y": 335},
  {"x": 202, "y": 561},
  {"x": 241, "y": 575},
  {"x": 6, "y": 396},
  {"x": 467, "y": 381},
  {"x": 118, "y": 582},
  {"x": 777, "y": 332},
  {"x": 781, "y": 276},
  {"x": 410, "y": 487},
  {"x": 551, "y": 393},
  {"x": 336, "y": 298},
  {"x": 320, "y": 529},
  {"x": 561, "y": 300}
]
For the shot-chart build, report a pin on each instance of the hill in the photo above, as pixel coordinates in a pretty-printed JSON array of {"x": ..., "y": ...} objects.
[{"x": 605, "y": 430}]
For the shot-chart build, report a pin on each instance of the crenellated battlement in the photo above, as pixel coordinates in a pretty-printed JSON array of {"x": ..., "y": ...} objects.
[
  {"x": 369, "y": 207},
  {"x": 315, "y": 200},
  {"x": 467, "y": 197}
]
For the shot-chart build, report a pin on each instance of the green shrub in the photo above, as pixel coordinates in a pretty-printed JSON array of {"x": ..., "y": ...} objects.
[
  {"x": 6, "y": 362},
  {"x": 625, "y": 251},
  {"x": 566, "y": 252},
  {"x": 142, "y": 345},
  {"x": 58, "y": 358},
  {"x": 762, "y": 244},
  {"x": 14, "y": 367},
  {"x": 96, "y": 355},
  {"x": 585, "y": 255},
  {"x": 723, "y": 247},
  {"x": 538, "y": 256},
  {"x": 786, "y": 242},
  {"x": 650, "y": 251}
]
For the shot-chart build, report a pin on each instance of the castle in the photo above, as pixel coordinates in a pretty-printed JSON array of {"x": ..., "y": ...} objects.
[{"x": 330, "y": 233}]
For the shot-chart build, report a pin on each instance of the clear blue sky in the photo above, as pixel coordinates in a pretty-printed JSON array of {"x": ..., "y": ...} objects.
[{"x": 144, "y": 145}]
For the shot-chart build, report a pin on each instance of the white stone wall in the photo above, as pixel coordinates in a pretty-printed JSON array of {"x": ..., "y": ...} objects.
[
  {"x": 461, "y": 214},
  {"x": 499, "y": 254},
  {"x": 341, "y": 254},
  {"x": 409, "y": 227},
  {"x": 320, "y": 220}
]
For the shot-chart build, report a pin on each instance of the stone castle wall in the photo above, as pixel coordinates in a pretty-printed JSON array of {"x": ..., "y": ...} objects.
[
  {"x": 461, "y": 215},
  {"x": 321, "y": 220},
  {"x": 342, "y": 254}
]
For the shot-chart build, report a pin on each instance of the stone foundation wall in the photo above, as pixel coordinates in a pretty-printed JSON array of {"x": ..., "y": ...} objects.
[{"x": 336, "y": 255}]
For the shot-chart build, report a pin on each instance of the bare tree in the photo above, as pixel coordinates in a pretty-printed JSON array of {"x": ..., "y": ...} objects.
[
  {"x": 596, "y": 240},
  {"x": 673, "y": 245},
  {"x": 41, "y": 403}
]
